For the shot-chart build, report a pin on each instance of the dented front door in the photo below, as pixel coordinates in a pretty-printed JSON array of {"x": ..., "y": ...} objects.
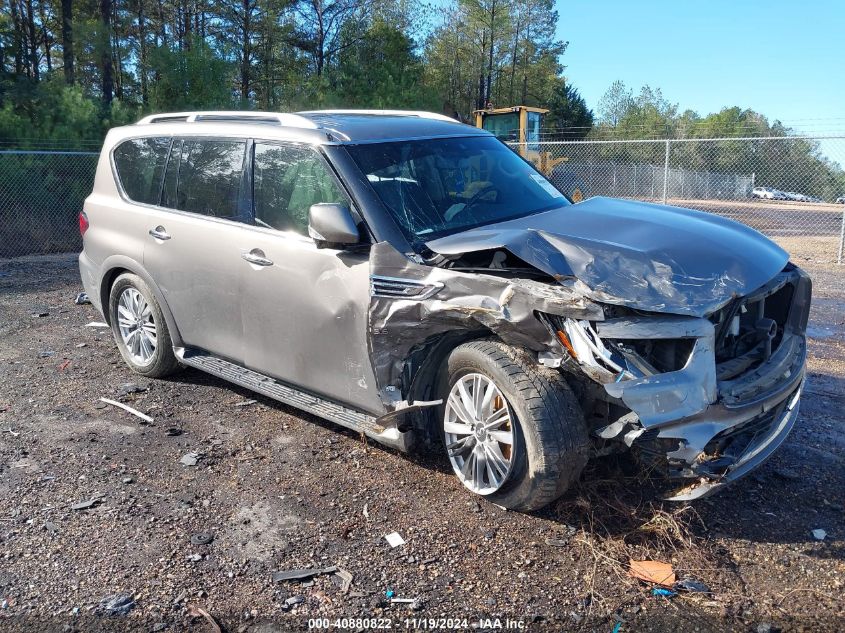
[{"x": 305, "y": 316}]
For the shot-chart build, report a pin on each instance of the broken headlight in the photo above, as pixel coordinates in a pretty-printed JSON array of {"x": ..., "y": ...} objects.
[
  {"x": 656, "y": 356},
  {"x": 620, "y": 359}
]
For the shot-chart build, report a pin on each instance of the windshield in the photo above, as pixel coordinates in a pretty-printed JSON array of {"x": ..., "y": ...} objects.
[{"x": 436, "y": 187}]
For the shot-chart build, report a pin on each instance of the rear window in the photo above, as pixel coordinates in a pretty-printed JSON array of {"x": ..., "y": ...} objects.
[
  {"x": 140, "y": 165},
  {"x": 205, "y": 176}
]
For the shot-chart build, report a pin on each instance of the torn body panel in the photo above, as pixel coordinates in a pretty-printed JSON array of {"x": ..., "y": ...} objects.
[{"x": 405, "y": 325}]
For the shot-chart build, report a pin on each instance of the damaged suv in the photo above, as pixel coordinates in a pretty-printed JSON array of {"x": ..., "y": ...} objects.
[{"x": 410, "y": 277}]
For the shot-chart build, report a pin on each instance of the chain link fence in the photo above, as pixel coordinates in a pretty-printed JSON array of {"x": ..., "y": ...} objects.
[
  {"x": 791, "y": 188},
  {"x": 41, "y": 195}
]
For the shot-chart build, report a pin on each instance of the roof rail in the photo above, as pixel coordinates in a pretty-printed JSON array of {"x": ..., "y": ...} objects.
[
  {"x": 417, "y": 113},
  {"x": 232, "y": 116}
]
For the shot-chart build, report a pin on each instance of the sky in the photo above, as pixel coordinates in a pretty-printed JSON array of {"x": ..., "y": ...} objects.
[{"x": 783, "y": 59}]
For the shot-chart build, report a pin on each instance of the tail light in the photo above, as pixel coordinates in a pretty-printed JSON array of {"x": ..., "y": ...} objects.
[{"x": 83, "y": 222}]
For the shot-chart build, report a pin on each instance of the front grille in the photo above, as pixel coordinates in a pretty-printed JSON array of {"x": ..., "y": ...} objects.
[
  {"x": 736, "y": 440},
  {"x": 727, "y": 447},
  {"x": 720, "y": 453}
]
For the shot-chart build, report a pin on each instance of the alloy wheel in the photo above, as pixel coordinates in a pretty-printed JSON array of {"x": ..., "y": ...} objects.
[
  {"x": 479, "y": 431},
  {"x": 137, "y": 326}
]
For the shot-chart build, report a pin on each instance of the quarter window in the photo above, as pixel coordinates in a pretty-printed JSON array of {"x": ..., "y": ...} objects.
[
  {"x": 140, "y": 164},
  {"x": 205, "y": 176},
  {"x": 288, "y": 179}
]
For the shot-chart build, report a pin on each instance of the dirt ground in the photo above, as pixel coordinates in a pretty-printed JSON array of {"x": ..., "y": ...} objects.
[
  {"x": 775, "y": 217},
  {"x": 279, "y": 490}
]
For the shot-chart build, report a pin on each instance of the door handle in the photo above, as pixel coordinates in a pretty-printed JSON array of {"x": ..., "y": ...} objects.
[
  {"x": 256, "y": 256},
  {"x": 159, "y": 233}
]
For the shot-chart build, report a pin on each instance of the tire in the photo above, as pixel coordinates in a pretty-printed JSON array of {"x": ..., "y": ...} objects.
[
  {"x": 161, "y": 360},
  {"x": 549, "y": 436}
]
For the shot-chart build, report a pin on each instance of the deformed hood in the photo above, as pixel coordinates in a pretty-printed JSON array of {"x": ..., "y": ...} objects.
[{"x": 641, "y": 255}]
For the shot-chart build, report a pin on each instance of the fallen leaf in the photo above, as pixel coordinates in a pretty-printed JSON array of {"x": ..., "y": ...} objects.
[{"x": 653, "y": 571}]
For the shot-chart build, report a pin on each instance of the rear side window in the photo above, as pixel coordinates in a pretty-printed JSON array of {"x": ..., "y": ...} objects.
[
  {"x": 205, "y": 176},
  {"x": 140, "y": 165},
  {"x": 288, "y": 179}
]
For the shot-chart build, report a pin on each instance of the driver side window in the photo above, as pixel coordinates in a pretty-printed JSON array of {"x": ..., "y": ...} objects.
[{"x": 287, "y": 180}]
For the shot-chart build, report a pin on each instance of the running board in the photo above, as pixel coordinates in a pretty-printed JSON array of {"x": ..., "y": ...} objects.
[{"x": 272, "y": 388}]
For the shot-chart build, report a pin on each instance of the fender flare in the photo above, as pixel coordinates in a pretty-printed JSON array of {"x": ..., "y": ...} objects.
[{"x": 112, "y": 267}]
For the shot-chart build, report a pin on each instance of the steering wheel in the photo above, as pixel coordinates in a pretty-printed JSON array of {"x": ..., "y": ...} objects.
[{"x": 476, "y": 197}]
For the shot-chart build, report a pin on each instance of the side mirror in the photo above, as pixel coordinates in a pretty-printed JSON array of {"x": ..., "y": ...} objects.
[{"x": 331, "y": 223}]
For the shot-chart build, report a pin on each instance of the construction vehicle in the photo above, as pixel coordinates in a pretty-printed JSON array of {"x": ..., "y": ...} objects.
[{"x": 521, "y": 125}]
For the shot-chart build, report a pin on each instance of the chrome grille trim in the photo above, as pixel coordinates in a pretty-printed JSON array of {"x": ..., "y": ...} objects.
[{"x": 398, "y": 288}]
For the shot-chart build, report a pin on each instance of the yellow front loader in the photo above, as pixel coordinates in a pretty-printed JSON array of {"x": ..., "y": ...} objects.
[{"x": 522, "y": 125}]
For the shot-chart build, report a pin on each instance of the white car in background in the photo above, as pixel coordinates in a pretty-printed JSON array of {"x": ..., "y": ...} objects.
[{"x": 767, "y": 193}]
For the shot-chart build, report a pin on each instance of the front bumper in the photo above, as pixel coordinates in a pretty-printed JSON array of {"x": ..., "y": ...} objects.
[
  {"x": 748, "y": 437},
  {"x": 703, "y": 432},
  {"x": 765, "y": 439},
  {"x": 722, "y": 443}
]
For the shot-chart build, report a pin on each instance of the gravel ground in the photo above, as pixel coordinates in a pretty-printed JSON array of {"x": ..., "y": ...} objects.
[{"x": 281, "y": 490}]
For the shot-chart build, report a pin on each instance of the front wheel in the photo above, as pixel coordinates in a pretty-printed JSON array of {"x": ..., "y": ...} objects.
[{"x": 513, "y": 430}]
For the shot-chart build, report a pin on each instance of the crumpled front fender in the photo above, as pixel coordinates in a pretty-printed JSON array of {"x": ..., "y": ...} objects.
[{"x": 412, "y": 304}]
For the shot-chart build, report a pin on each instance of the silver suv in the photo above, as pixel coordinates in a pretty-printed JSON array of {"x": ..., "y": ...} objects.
[{"x": 407, "y": 276}]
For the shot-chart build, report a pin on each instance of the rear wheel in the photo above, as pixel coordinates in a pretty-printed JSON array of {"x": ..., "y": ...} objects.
[
  {"x": 139, "y": 328},
  {"x": 513, "y": 430}
]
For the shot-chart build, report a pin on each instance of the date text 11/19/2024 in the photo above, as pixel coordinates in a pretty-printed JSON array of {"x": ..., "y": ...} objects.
[{"x": 418, "y": 624}]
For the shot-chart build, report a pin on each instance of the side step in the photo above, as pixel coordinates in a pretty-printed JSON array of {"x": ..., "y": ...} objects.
[{"x": 272, "y": 388}]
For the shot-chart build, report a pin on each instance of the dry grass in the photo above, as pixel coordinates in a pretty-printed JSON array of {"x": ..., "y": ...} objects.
[{"x": 619, "y": 518}]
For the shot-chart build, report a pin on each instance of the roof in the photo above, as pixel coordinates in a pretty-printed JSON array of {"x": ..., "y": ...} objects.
[{"x": 318, "y": 126}]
